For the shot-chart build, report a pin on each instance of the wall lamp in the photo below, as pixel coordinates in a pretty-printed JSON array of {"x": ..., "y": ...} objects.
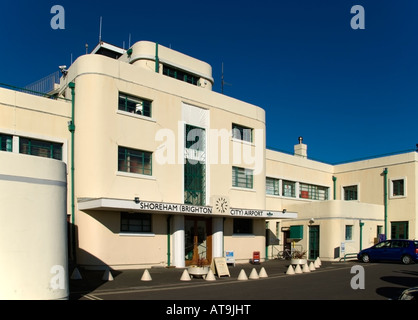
[
  {"x": 136, "y": 200},
  {"x": 284, "y": 211}
]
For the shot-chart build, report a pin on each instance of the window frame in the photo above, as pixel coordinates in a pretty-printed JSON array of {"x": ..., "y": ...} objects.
[
  {"x": 348, "y": 234},
  {"x": 292, "y": 190},
  {"x": 6, "y": 142},
  {"x": 347, "y": 190},
  {"x": 125, "y": 162},
  {"x": 146, "y": 103},
  {"x": 392, "y": 187},
  {"x": 276, "y": 186},
  {"x": 42, "y": 146},
  {"x": 243, "y": 133},
  {"x": 237, "y": 174},
  {"x": 313, "y": 192},
  {"x": 135, "y": 216},
  {"x": 244, "y": 229}
]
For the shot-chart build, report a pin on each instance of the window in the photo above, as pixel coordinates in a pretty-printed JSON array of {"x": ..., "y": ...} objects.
[
  {"x": 40, "y": 148},
  {"x": 398, "y": 188},
  {"x": 349, "y": 232},
  {"x": 135, "y": 161},
  {"x": 180, "y": 75},
  {"x": 242, "y": 133},
  {"x": 272, "y": 186},
  {"x": 135, "y": 222},
  {"x": 6, "y": 142},
  {"x": 399, "y": 230},
  {"x": 288, "y": 189},
  {"x": 350, "y": 193},
  {"x": 242, "y": 225},
  {"x": 134, "y": 105},
  {"x": 309, "y": 191},
  {"x": 242, "y": 178}
]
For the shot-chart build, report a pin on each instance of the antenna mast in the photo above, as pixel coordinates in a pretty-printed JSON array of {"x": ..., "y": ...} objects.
[{"x": 100, "y": 30}]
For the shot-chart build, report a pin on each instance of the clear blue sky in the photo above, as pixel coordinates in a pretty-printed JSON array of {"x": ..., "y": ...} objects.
[{"x": 350, "y": 93}]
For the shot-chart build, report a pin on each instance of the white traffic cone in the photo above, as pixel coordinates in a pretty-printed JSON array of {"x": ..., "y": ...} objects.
[
  {"x": 76, "y": 275},
  {"x": 290, "y": 270},
  {"x": 253, "y": 274},
  {"x": 146, "y": 276},
  {"x": 319, "y": 261},
  {"x": 263, "y": 273},
  {"x": 107, "y": 276},
  {"x": 316, "y": 264},
  {"x": 311, "y": 267},
  {"x": 298, "y": 269},
  {"x": 306, "y": 268},
  {"x": 242, "y": 275},
  {"x": 185, "y": 276},
  {"x": 210, "y": 276}
]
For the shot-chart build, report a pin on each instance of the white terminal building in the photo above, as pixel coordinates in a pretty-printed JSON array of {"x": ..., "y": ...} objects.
[{"x": 157, "y": 169}]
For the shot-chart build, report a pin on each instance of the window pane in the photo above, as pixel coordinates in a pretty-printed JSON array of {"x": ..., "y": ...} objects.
[
  {"x": 272, "y": 186},
  {"x": 398, "y": 187},
  {"x": 134, "y": 105},
  {"x": 135, "y": 222},
  {"x": 6, "y": 142},
  {"x": 40, "y": 148},
  {"x": 350, "y": 193},
  {"x": 135, "y": 161},
  {"x": 288, "y": 188},
  {"x": 243, "y": 225},
  {"x": 242, "y": 133}
]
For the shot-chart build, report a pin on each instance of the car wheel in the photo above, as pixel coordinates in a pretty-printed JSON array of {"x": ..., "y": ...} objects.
[
  {"x": 406, "y": 259},
  {"x": 365, "y": 258}
]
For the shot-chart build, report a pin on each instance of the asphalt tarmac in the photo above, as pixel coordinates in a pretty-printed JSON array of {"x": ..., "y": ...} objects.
[{"x": 331, "y": 281}]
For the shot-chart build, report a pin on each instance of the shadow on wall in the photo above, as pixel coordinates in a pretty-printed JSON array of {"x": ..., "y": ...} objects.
[{"x": 82, "y": 280}]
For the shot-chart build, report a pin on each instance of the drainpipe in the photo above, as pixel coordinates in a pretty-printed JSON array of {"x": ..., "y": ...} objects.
[
  {"x": 168, "y": 241},
  {"x": 157, "y": 61},
  {"x": 267, "y": 239},
  {"x": 361, "y": 234},
  {"x": 334, "y": 179},
  {"x": 385, "y": 175},
  {"x": 71, "y": 128}
]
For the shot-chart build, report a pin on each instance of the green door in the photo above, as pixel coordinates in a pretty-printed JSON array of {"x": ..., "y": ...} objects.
[{"x": 313, "y": 242}]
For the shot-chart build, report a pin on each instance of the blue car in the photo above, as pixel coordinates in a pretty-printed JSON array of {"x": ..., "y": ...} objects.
[{"x": 405, "y": 251}]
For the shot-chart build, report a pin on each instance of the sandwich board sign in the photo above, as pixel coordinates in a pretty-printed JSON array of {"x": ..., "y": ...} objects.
[{"x": 220, "y": 267}]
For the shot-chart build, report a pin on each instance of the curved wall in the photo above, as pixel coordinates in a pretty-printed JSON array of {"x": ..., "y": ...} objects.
[{"x": 33, "y": 228}]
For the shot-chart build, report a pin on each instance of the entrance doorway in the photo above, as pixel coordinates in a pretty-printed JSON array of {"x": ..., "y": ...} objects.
[
  {"x": 198, "y": 240},
  {"x": 313, "y": 242}
]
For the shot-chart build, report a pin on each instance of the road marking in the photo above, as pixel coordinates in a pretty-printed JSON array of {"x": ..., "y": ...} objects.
[{"x": 92, "y": 297}]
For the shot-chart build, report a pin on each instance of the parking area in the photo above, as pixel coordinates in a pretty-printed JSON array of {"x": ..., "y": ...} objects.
[{"x": 331, "y": 281}]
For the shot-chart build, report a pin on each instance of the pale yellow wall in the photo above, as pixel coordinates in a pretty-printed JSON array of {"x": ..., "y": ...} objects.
[
  {"x": 104, "y": 244},
  {"x": 33, "y": 228},
  {"x": 244, "y": 245},
  {"x": 368, "y": 175}
]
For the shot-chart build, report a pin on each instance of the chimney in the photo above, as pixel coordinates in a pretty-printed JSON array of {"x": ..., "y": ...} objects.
[{"x": 301, "y": 150}]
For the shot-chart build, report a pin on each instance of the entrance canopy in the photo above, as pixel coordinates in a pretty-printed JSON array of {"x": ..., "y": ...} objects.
[{"x": 137, "y": 205}]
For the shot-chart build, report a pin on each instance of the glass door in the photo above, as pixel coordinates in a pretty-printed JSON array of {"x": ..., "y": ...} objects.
[{"x": 198, "y": 241}]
